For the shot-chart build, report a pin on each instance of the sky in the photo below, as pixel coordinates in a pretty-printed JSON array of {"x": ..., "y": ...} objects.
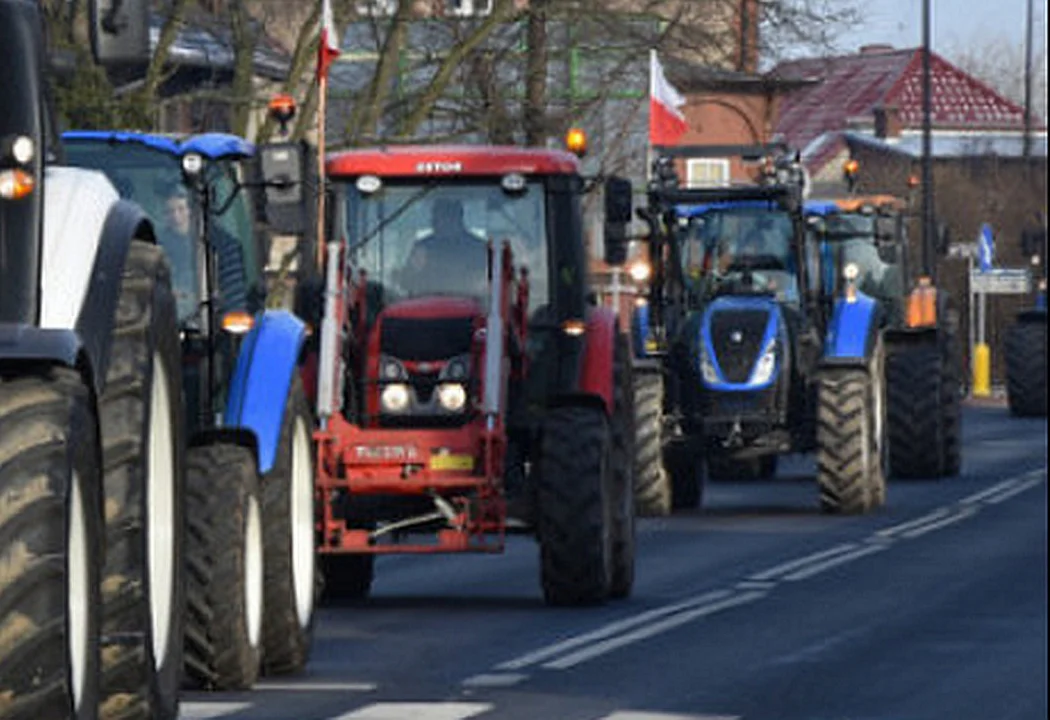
[{"x": 954, "y": 23}]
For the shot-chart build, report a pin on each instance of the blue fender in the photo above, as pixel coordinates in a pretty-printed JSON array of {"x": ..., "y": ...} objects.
[
  {"x": 852, "y": 330},
  {"x": 640, "y": 330},
  {"x": 774, "y": 331},
  {"x": 262, "y": 378}
]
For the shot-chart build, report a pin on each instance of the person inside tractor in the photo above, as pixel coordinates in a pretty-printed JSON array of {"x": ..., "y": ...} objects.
[
  {"x": 177, "y": 240},
  {"x": 752, "y": 253},
  {"x": 450, "y": 258}
]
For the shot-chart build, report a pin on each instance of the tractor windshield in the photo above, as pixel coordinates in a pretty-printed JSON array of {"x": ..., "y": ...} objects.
[
  {"x": 153, "y": 179},
  {"x": 742, "y": 251},
  {"x": 416, "y": 239},
  {"x": 850, "y": 238}
]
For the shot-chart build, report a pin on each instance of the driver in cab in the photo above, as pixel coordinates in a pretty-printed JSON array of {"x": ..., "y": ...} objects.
[{"x": 450, "y": 259}]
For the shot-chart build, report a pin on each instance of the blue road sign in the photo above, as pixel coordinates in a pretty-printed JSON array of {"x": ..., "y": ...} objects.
[{"x": 985, "y": 248}]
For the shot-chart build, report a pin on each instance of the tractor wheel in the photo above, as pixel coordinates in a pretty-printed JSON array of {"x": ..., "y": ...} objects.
[
  {"x": 914, "y": 407},
  {"x": 760, "y": 468},
  {"x": 51, "y": 525},
  {"x": 290, "y": 560},
  {"x": 851, "y": 444},
  {"x": 225, "y": 560},
  {"x": 623, "y": 465},
  {"x": 347, "y": 576},
  {"x": 687, "y": 469},
  {"x": 951, "y": 410},
  {"x": 574, "y": 506},
  {"x": 1026, "y": 369},
  {"x": 652, "y": 485},
  {"x": 141, "y": 425}
]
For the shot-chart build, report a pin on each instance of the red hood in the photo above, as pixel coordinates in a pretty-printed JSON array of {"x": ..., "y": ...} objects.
[{"x": 434, "y": 307}]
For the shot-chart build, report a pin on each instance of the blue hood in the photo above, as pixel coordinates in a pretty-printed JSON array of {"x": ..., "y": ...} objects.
[{"x": 759, "y": 323}]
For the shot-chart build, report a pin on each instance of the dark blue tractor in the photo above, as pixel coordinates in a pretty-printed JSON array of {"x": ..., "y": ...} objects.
[
  {"x": 755, "y": 361},
  {"x": 250, "y": 555},
  {"x": 1026, "y": 338}
]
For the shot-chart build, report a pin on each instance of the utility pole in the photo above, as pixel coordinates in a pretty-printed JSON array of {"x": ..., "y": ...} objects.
[
  {"x": 929, "y": 262},
  {"x": 1027, "y": 147}
]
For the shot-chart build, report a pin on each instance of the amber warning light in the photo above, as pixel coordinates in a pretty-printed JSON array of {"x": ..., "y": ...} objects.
[
  {"x": 282, "y": 109},
  {"x": 576, "y": 142}
]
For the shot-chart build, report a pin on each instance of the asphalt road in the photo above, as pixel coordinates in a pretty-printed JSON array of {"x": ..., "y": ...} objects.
[{"x": 756, "y": 607}]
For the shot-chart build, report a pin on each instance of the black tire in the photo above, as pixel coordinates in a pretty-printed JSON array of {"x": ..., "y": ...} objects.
[
  {"x": 915, "y": 411},
  {"x": 759, "y": 468},
  {"x": 225, "y": 560},
  {"x": 290, "y": 558},
  {"x": 574, "y": 515},
  {"x": 951, "y": 409},
  {"x": 623, "y": 465},
  {"x": 1026, "y": 369},
  {"x": 652, "y": 484},
  {"x": 851, "y": 447},
  {"x": 143, "y": 599},
  {"x": 347, "y": 576},
  {"x": 48, "y": 564},
  {"x": 687, "y": 469}
]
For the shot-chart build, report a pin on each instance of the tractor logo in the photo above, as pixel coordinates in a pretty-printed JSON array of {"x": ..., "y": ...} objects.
[
  {"x": 438, "y": 166},
  {"x": 736, "y": 337}
]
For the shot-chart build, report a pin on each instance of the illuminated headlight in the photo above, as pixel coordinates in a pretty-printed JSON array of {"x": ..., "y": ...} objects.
[
  {"x": 707, "y": 368},
  {"x": 394, "y": 397},
  {"x": 192, "y": 163},
  {"x": 452, "y": 396},
  {"x": 23, "y": 150},
  {"x": 391, "y": 369},
  {"x": 851, "y": 272},
  {"x": 766, "y": 364}
]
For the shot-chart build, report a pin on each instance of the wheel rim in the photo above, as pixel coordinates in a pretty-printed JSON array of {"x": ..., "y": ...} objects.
[
  {"x": 78, "y": 594},
  {"x": 302, "y": 524},
  {"x": 253, "y": 572},
  {"x": 160, "y": 500}
]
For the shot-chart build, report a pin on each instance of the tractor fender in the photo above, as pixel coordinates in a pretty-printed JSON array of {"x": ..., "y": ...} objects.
[
  {"x": 261, "y": 379},
  {"x": 852, "y": 331},
  {"x": 640, "y": 330},
  {"x": 596, "y": 368}
]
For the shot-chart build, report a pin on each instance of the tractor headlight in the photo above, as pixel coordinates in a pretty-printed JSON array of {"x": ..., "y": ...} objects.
[
  {"x": 707, "y": 368},
  {"x": 391, "y": 369},
  {"x": 767, "y": 363},
  {"x": 457, "y": 368},
  {"x": 452, "y": 396},
  {"x": 394, "y": 397}
]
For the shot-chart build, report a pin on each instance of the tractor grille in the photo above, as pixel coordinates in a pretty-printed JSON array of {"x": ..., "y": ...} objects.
[
  {"x": 426, "y": 339},
  {"x": 737, "y": 339}
]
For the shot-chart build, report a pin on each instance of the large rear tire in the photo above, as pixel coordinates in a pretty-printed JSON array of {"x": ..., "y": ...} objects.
[
  {"x": 652, "y": 484},
  {"x": 290, "y": 558},
  {"x": 623, "y": 464},
  {"x": 141, "y": 424},
  {"x": 225, "y": 558},
  {"x": 574, "y": 506},
  {"x": 922, "y": 419},
  {"x": 1026, "y": 368},
  {"x": 50, "y": 545}
]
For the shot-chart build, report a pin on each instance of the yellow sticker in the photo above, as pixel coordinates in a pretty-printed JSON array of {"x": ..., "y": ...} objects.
[{"x": 451, "y": 462}]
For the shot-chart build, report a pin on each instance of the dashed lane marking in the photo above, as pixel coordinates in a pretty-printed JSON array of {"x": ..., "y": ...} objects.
[
  {"x": 811, "y": 570},
  {"x": 921, "y": 530},
  {"x": 995, "y": 500},
  {"x": 417, "y": 711},
  {"x": 495, "y": 680},
  {"x": 315, "y": 686},
  {"x": 210, "y": 710},
  {"x": 784, "y": 568}
]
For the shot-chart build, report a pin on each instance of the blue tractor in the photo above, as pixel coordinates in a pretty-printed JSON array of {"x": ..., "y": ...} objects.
[
  {"x": 754, "y": 362},
  {"x": 1026, "y": 338},
  {"x": 250, "y": 560}
]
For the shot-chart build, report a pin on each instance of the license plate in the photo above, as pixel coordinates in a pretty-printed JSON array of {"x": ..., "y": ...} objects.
[{"x": 451, "y": 462}]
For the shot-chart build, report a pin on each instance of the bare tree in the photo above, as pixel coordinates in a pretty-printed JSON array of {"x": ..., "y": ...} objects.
[{"x": 999, "y": 62}]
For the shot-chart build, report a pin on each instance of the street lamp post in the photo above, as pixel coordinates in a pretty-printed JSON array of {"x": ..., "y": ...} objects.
[{"x": 929, "y": 264}]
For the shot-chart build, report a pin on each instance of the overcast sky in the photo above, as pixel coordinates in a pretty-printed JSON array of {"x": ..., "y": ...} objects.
[{"x": 955, "y": 22}]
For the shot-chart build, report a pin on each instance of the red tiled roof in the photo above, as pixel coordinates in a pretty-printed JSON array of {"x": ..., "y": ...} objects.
[{"x": 853, "y": 85}]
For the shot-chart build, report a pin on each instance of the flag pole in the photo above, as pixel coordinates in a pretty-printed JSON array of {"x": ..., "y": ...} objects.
[{"x": 322, "y": 105}]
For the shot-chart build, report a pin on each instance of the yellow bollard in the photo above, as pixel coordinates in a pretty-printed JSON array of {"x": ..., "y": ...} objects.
[{"x": 982, "y": 370}]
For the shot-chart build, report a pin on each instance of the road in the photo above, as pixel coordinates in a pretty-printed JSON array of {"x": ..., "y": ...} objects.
[{"x": 756, "y": 607}]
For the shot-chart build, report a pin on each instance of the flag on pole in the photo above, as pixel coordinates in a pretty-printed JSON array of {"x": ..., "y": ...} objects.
[
  {"x": 666, "y": 120},
  {"x": 328, "y": 47}
]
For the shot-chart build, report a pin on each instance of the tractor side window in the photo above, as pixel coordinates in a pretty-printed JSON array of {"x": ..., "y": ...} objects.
[{"x": 232, "y": 234}]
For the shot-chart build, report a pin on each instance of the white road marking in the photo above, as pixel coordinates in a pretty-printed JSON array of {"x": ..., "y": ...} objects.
[
  {"x": 649, "y": 715},
  {"x": 209, "y": 710},
  {"x": 1014, "y": 491},
  {"x": 812, "y": 570},
  {"x": 315, "y": 686},
  {"x": 923, "y": 520},
  {"x": 494, "y": 680},
  {"x": 963, "y": 514},
  {"x": 417, "y": 711},
  {"x": 978, "y": 497},
  {"x": 681, "y": 618},
  {"x": 756, "y": 585},
  {"x": 787, "y": 567},
  {"x": 605, "y": 631}
]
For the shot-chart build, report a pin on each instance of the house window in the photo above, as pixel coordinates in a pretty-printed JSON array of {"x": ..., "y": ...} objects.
[
  {"x": 468, "y": 8},
  {"x": 707, "y": 172},
  {"x": 376, "y": 8}
]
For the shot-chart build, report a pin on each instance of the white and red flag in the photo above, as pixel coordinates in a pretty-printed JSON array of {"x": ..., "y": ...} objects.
[
  {"x": 328, "y": 47},
  {"x": 666, "y": 120}
]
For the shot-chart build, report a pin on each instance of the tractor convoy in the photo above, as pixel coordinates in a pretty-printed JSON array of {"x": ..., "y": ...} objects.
[{"x": 184, "y": 471}]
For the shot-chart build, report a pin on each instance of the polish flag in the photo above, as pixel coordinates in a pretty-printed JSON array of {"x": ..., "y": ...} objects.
[
  {"x": 328, "y": 47},
  {"x": 666, "y": 121}
]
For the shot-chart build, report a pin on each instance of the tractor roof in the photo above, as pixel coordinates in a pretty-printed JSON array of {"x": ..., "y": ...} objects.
[
  {"x": 853, "y": 204},
  {"x": 210, "y": 145},
  {"x": 694, "y": 210},
  {"x": 451, "y": 161}
]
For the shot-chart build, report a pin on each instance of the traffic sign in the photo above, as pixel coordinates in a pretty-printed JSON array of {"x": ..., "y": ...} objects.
[
  {"x": 986, "y": 248},
  {"x": 1001, "y": 281},
  {"x": 962, "y": 250}
]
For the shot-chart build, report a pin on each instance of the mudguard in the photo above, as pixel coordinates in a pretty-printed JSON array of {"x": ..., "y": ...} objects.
[
  {"x": 596, "y": 370},
  {"x": 775, "y": 329},
  {"x": 852, "y": 331},
  {"x": 261, "y": 380}
]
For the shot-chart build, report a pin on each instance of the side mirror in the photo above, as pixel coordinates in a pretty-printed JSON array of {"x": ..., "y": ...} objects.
[
  {"x": 284, "y": 171},
  {"x": 619, "y": 203},
  {"x": 119, "y": 31}
]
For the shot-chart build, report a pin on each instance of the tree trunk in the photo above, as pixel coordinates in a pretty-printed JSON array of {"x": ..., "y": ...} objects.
[{"x": 536, "y": 75}]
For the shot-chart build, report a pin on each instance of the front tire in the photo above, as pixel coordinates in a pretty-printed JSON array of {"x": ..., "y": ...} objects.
[
  {"x": 51, "y": 531},
  {"x": 141, "y": 427},
  {"x": 651, "y": 481},
  {"x": 623, "y": 464},
  {"x": 1026, "y": 369},
  {"x": 290, "y": 558}
]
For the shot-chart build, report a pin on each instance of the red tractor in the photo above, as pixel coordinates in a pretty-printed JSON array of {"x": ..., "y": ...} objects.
[{"x": 466, "y": 384}]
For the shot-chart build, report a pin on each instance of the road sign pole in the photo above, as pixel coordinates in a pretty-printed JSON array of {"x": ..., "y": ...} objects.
[
  {"x": 982, "y": 365},
  {"x": 973, "y": 317}
]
